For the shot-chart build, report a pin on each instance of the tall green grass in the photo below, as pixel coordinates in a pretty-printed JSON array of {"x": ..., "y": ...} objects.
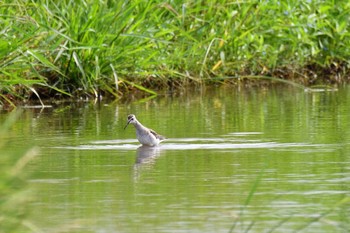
[
  {"x": 14, "y": 193},
  {"x": 94, "y": 48},
  {"x": 339, "y": 207}
]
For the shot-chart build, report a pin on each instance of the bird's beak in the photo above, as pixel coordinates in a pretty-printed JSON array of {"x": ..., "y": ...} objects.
[{"x": 127, "y": 124}]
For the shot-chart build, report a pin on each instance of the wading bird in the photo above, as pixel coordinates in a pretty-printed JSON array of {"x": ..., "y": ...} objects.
[{"x": 146, "y": 136}]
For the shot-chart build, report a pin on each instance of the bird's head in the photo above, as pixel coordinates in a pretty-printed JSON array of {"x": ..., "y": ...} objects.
[{"x": 131, "y": 120}]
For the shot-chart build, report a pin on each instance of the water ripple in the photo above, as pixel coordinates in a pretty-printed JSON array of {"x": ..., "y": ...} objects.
[{"x": 193, "y": 144}]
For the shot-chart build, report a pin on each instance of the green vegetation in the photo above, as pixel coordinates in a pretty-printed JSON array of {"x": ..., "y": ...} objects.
[
  {"x": 14, "y": 195},
  {"x": 91, "y": 48},
  {"x": 307, "y": 221}
]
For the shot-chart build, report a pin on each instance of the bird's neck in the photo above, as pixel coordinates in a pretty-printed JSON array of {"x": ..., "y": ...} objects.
[{"x": 138, "y": 124}]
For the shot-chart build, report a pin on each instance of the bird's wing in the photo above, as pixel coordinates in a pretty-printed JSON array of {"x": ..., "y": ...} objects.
[{"x": 160, "y": 137}]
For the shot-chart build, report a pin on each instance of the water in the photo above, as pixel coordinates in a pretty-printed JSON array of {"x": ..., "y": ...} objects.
[{"x": 246, "y": 160}]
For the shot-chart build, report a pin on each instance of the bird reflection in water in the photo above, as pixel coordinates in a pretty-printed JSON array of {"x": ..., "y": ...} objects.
[
  {"x": 147, "y": 154},
  {"x": 145, "y": 159}
]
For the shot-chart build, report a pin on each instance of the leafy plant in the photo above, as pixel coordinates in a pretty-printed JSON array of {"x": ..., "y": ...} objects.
[{"x": 95, "y": 48}]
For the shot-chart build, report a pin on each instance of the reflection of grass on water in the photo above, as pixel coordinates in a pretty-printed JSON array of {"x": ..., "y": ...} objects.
[
  {"x": 14, "y": 196},
  {"x": 301, "y": 228}
]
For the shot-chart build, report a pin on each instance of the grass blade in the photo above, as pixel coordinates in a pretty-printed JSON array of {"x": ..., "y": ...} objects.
[
  {"x": 248, "y": 200},
  {"x": 140, "y": 87},
  {"x": 342, "y": 202}
]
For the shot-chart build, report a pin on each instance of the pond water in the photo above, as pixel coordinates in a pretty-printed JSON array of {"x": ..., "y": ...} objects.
[{"x": 236, "y": 160}]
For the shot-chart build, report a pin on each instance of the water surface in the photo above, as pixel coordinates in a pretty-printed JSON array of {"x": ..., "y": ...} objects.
[{"x": 255, "y": 160}]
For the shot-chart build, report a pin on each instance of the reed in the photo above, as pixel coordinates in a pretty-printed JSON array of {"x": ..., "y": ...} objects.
[
  {"x": 14, "y": 193},
  {"x": 94, "y": 48},
  {"x": 338, "y": 209}
]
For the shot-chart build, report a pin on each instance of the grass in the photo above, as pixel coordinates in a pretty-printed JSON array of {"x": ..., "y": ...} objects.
[
  {"x": 14, "y": 195},
  {"x": 106, "y": 48},
  {"x": 246, "y": 203},
  {"x": 339, "y": 207}
]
